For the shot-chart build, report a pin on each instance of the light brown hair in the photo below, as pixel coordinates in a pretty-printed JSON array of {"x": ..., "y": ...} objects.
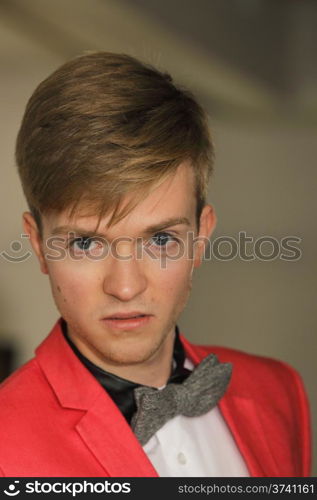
[{"x": 104, "y": 125}]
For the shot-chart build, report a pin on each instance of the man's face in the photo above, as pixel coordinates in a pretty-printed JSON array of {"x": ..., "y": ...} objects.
[{"x": 121, "y": 302}]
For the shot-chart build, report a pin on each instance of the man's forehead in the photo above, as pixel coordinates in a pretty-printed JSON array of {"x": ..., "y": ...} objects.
[{"x": 173, "y": 199}]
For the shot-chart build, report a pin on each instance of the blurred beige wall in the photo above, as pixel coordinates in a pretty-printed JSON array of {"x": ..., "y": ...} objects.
[{"x": 264, "y": 184}]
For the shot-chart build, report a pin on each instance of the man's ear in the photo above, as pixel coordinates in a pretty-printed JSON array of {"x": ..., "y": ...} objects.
[
  {"x": 31, "y": 229},
  {"x": 208, "y": 221}
]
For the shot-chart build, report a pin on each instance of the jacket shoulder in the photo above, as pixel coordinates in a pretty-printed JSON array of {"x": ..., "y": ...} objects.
[{"x": 22, "y": 392}]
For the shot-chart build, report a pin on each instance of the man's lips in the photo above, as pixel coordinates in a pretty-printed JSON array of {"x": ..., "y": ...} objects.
[
  {"x": 127, "y": 321},
  {"x": 122, "y": 315}
]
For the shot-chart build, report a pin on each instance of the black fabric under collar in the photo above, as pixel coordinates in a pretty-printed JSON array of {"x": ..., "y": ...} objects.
[{"x": 120, "y": 389}]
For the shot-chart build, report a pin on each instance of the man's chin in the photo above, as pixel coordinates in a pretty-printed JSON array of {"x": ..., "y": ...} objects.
[{"x": 129, "y": 357}]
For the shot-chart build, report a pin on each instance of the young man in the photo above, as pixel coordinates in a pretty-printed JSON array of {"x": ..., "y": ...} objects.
[{"x": 114, "y": 161}]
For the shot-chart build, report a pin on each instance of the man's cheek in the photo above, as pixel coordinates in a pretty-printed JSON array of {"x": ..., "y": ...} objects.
[
  {"x": 178, "y": 283},
  {"x": 68, "y": 288},
  {"x": 180, "y": 273}
]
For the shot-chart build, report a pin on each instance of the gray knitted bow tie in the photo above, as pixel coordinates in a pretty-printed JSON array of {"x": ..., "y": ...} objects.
[{"x": 196, "y": 395}]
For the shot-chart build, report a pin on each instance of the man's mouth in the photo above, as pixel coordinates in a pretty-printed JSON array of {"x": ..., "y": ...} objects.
[
  {"x": 127, "y": 321},
  {"x": 126, "y": 315},
  {"x": 129, "y": 317}
]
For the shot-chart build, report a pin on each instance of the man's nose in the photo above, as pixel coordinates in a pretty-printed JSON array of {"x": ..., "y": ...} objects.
[{"x": 125, "y": 278}]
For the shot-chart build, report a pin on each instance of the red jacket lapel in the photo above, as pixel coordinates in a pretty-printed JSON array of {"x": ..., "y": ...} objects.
[
  {"x": 109, "y": 437},
  {"x": 102, "y": 427}
]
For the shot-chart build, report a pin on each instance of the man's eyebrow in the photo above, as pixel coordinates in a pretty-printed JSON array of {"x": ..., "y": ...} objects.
[
  {"x": 75, "y": 230},
  {"x": 172, "y": 221},
  {"x": 154, "y": 228}
]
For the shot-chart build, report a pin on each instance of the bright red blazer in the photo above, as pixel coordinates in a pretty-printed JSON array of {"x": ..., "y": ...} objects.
[{"x": 57, "y": 420}]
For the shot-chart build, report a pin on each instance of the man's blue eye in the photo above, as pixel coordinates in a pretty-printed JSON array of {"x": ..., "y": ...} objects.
[
  {"x": 162, "y": 239},
  {"x": 82, "y": 243}
]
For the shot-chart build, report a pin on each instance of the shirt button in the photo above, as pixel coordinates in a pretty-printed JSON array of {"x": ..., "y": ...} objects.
[{"x": 181, "y": 458}]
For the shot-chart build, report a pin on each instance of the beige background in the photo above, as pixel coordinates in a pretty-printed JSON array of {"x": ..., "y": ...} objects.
[{"x": 263, "y": 116}]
